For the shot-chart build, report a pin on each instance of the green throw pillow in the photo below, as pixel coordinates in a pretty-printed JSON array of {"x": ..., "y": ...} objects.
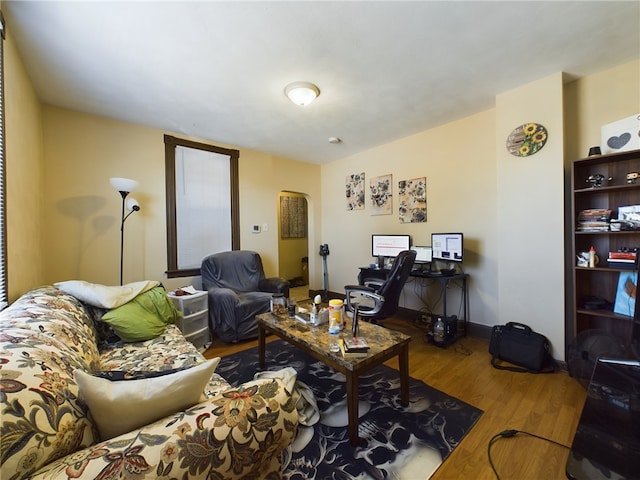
[{"x": 143, "y": 318}]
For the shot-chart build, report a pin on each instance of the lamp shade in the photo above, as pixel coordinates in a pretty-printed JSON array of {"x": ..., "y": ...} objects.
[
  {"x": 132, "y": 204},
  {"x": 301, "y": 93},
  {"x": 123, "y": 184}
]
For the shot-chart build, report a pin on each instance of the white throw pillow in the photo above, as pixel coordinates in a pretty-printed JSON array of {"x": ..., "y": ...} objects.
[
  {"x": 105, "y": 296},
  {"x": 122, "y": 406}
]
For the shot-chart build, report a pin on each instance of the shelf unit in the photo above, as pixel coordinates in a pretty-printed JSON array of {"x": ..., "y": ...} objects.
[
  {"x": 194, "y": 323},
  {"x": 602, "y": 281}
]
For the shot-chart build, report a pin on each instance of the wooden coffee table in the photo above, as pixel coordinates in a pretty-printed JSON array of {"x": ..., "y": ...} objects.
[{"x": 384, "y": 343}]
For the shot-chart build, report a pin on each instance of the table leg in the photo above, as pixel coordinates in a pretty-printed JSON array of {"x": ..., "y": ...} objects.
[
  {"x": 403, "y": 360},
  {"x": 352, "y": 407},
  {"x": 261, "y": 345}
]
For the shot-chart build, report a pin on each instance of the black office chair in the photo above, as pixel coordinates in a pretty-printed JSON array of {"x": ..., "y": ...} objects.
[{"x": 386, "y": 296}]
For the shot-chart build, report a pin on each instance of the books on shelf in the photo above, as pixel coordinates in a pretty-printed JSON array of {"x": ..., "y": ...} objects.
[
  {"x": 351, "y": 354},
  {"x": 623, "y": 255},
  {"x": 622, "y": 259},
  {"x": 594, "y": 220}
]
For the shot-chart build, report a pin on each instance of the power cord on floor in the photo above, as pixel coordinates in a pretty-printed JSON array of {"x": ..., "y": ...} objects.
[{"x": 511, "y": 434}]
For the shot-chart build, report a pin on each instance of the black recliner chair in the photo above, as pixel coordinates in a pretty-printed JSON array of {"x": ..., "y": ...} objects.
[
  {"x": 238, "y": 291},
  {"x": 385, "y": 297}
]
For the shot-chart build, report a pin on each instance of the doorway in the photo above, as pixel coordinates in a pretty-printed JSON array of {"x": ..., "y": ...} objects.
[{"x": 293, "y": 242}]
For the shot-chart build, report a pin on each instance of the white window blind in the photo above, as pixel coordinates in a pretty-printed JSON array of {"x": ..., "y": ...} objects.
[{"x": 203, "y": 205}]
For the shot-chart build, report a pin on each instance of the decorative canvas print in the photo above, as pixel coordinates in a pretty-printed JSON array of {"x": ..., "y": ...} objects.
[
  {"x": 355, "y": 191},
  {"x": 621, "y": 136},
  {"x": 413, "y": 200},
  {"x": 381, "y": 195},
  {"x": 626, "y": 294},
  {"x": 293, "y": 217}
]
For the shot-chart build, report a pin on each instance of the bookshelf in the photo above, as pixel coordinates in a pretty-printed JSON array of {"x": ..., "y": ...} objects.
[{"x": 594, "y": 288}]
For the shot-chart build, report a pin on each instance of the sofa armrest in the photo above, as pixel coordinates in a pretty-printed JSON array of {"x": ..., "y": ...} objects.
[
  {"x": 239, "y": 433},
  {"x": 274, "y": 285}
]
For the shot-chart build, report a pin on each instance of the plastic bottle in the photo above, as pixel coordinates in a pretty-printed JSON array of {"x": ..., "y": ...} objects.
[
  {"x": 592, "y": 257},
  {"x": 336, "y": 315},
  {"x": 438, "y": 331}
]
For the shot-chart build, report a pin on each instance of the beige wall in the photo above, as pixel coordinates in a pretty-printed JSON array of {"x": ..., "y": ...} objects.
[
  {"x": 458, "y": 160},
  {"x": 26, "y": 233},
  {"x": 530, "y": 225},
  {"x": 83, "y": 211},
  {"x": 474, "y": 185},
  {"x": 597, "y": 100}
]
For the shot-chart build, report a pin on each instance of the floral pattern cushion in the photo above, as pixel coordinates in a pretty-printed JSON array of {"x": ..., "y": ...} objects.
[
  {"x": 165, "y": 352},
  {"x": 153, "y": 355},
  {"x": 239, "y": 433}
]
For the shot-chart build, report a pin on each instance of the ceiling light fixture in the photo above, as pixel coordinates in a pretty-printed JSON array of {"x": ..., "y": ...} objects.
[{"x": 301, "y": 93}]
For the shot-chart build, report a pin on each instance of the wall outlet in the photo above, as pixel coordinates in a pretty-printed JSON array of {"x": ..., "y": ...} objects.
[{"x": 255, "y": 228}]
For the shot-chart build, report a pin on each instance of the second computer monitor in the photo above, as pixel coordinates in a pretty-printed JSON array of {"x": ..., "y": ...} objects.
[{"x": 447, "y": 246}]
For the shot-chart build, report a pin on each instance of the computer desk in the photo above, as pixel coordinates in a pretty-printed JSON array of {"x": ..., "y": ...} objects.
[{"x": 369, "y": 275}]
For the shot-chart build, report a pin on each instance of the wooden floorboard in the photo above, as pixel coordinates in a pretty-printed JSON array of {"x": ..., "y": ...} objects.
[{"x": 548, "y": 405}]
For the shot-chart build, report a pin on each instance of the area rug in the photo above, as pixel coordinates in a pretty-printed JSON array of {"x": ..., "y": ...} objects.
[{"x": 396, "y": 442}]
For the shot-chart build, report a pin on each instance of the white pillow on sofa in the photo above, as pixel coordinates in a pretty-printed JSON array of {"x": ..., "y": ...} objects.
[
  {"x": 104, "y": 296},
  {"x": 122, "y": 406}
]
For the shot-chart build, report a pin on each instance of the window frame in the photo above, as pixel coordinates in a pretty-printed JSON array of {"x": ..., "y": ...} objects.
[{"x": 171, "y": 142}]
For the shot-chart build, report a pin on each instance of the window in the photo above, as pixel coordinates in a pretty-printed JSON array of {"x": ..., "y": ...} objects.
[
  {"x": 3, "y": 216},
  {"x": 202, "y": 203}
]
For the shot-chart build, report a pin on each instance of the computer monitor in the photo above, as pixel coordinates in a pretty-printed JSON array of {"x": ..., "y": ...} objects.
[
  {"x": 447, "y": 246},
  {"x": 389, "y": 246},
  {"x": 423, "y": 254}
]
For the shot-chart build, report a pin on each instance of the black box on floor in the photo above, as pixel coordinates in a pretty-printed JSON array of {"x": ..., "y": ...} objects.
[{"x": 450, "y": 330}]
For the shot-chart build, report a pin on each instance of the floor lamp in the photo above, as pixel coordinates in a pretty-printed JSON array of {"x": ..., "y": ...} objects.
[{"x": 125, "y": 186}]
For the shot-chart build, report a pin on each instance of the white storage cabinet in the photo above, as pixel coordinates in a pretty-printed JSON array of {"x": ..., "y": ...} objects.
[{"x": 194, "y": 323}]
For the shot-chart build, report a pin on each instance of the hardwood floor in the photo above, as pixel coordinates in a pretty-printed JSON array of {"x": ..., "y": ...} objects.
[{"x": 544, "y": 405}]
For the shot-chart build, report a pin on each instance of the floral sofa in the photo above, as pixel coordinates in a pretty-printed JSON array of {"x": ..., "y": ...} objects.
[{"x": 49, "y": 340}]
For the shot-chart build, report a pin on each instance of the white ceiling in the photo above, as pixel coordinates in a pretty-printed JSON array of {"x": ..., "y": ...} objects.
[{"x": 386, "y": 69}]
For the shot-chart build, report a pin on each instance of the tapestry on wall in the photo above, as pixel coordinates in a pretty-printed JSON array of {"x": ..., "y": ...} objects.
[
  {"x": 381, "y": 195},
  {"x": 413, "y": 200},
  {"x": 293, "y": 217},
  {"x": 355, "y": 191}
]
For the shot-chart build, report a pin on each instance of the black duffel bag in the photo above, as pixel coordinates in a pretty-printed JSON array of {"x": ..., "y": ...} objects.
[{"x": 517, "y": 344}]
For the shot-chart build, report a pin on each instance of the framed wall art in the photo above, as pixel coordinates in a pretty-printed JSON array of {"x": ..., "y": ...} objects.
[
  {"x": 293, "y": 217},
  {"x": 355, "y": 191},
  {"x": 413, "y": 200},
  {"x": 381, "y": 195}
]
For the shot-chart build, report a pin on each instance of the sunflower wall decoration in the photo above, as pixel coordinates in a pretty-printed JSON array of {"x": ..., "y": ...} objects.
[{"x": 526, "y": 139}]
